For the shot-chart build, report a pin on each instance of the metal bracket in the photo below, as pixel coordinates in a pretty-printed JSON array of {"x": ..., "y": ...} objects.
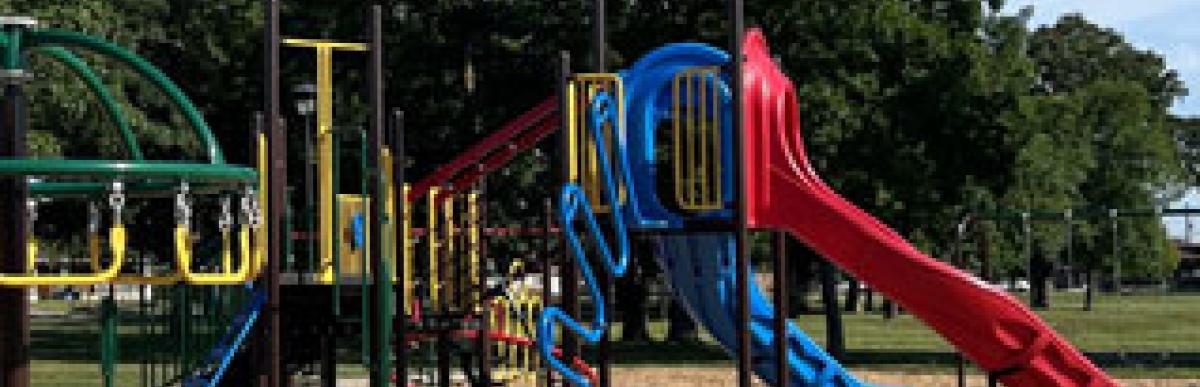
[{"x": 19, "y": 21}]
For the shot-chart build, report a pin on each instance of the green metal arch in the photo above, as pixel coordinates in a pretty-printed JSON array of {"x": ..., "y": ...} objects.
[
  {"x": 143, "y": 67},
  {"x": 96, "y": 85}
]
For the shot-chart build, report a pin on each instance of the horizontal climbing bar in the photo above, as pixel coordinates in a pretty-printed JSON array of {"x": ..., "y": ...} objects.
[{"x": 127, "y": 169}]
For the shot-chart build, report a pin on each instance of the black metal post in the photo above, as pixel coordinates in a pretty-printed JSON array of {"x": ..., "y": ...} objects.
[
  {"x": 277, "y": 191},
  {"x": 381, "y": 307},
  {"x": 14, "y": 307},
  {"x": 744, "y": 362},
  {"x": 781, "y": 309},
  {"x": 400, "y": 344}
]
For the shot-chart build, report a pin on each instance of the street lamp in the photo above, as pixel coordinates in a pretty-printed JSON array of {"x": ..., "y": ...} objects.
[{"x": 306, "y": 106}]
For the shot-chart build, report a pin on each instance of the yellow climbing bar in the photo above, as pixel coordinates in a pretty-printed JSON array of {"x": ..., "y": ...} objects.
[
  {"x": 583, "y": 160},
  {"x": 117, "y": 242},
  {"x": 695, "y": 132},
  {"x": 183, "y": 252}
]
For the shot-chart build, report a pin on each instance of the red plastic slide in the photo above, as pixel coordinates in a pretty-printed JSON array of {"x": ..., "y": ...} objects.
[
  {"x": 989, "y": 326},
  {"x": 493, "y": 151}
]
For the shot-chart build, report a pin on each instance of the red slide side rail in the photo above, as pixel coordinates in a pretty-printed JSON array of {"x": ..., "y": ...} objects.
[
  {"x": 543, "y": 112},
  {"x": 989, "y": 326}
]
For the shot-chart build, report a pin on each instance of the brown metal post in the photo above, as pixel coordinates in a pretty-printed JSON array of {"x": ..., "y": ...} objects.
[
  {"x": 14, "y": 306},
  {"x": 744, "y": 361},
  {"x": 605, "y": 278},
  {"x": 484, "y": 341},
  {"x": 277, "y": 193},
  {"x": 399, "y": 162},
  {"x": 548, "y": 239},
  {"x": 781, "y": 309},
  {"x": 570, "y": 280}
]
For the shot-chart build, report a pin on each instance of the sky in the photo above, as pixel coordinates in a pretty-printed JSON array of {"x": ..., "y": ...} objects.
[{"x": 1168, "y": 27}]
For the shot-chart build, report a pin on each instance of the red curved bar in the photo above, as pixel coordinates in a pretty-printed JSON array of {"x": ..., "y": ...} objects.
[{"x": 989, "y": 326}]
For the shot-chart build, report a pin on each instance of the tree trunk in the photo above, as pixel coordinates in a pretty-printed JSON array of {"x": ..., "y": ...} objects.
[
  {"x": 801, "y": 278},
  {"x": 869, "y": 299},
  {"x": 1039, "y": 297},
  {"x": 852, "y": 295},
  {"x": 1091, "y": 289}
]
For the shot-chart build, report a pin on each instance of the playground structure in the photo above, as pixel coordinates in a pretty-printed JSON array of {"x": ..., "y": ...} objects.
[{"x": 403, "y": 268}]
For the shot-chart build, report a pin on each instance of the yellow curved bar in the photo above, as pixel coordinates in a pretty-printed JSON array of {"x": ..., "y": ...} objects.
[
  {"x": 183, "y": 251},
  {"x": 117, "y": 238}
]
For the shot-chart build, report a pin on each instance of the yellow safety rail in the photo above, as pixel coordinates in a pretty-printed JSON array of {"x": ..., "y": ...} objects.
[
  {"x": 696, "y": 150},
  {"x": 450, "y": 230},
  {"x": 584, "y": 165}
]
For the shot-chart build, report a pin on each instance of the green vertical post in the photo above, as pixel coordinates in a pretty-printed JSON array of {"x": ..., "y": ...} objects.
[
  {"x": 108, "y": 341},
  {"x": 381, "y": 367}
]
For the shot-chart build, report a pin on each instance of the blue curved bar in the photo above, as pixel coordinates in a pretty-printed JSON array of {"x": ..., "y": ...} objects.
[{"x": 571, "y": 203}]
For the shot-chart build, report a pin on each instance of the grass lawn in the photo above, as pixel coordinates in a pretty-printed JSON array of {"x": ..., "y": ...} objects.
[{"x": 65, "y": 342}]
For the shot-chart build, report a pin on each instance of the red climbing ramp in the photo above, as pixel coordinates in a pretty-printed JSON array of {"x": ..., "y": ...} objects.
[
  {"x": 989, "y": 326},
  {"x": 493, "y": 151}
]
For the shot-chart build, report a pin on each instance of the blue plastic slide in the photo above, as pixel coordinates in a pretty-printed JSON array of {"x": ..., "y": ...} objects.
[
  {"x": 218, "y": 359},
  {"x": 702, "y": 275}
]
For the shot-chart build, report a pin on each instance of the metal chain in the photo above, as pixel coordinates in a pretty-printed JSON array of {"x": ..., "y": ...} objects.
[
  {"x": 225, "y": 222},
  {"x": 183, "y": 206},
  {"x": 116, "y": 200},
  {"x": 251, "y": 207},
  {"x": 93, "y": 217}
]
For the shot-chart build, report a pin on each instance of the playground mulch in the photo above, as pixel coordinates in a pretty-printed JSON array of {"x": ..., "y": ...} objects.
[{"x": 726, "y": 376}]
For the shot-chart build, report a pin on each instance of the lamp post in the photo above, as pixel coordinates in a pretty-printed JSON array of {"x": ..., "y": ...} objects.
[{"x": 306, "y": 105}]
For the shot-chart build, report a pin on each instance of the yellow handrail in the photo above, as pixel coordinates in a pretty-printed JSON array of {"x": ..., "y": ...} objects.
[
  {"x": 117, "y": 245},
  {"x": 31, "y": 250}
]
